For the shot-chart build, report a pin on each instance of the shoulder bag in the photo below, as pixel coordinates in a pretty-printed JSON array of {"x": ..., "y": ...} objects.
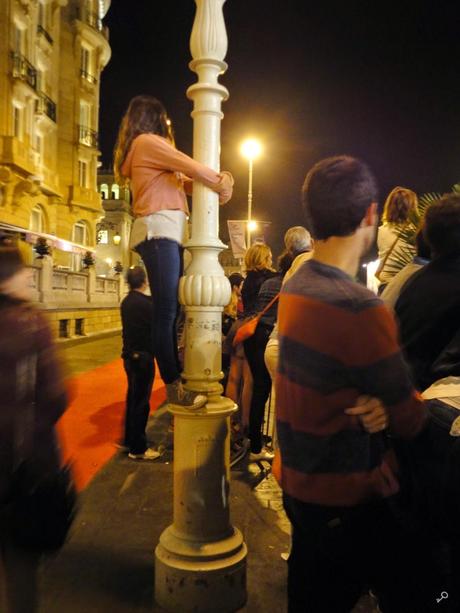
[{"x": 248, "y": 328}]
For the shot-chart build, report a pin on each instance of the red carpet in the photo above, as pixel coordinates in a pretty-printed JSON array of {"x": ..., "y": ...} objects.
[{"x": 94, "y": 420}]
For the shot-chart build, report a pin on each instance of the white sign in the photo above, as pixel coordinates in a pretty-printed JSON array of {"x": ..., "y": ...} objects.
[{"x": 237, "y": 232}]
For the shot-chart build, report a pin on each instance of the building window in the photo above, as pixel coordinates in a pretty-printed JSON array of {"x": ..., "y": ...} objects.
[
  {"x": 80, "y": 233},
  {"x": 79, "y": 236},
  {"x": 19, "y": 42},
  {"x": 87, "y": 64},
  {"x": 79, "y": 327},
  {"x": 104, "y": 189},
  {"x": 63, "y": 328},
  {"x": 85, "y": 114},
  {"x": 38, "y": 146},
  {"x": 115, "y": 192},
  {"x": 37, "y": 219},
  {"x": 82, "y": 173},
  {"x": 18, "y": 121}
]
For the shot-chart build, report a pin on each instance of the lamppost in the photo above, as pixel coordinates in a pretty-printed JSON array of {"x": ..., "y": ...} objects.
[
  {"x": 200, "y": 560},
  {"x": 251, "y": 150}
]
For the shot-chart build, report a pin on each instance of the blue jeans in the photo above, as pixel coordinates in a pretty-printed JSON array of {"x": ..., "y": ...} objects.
[{"x": 162, "y": 258}]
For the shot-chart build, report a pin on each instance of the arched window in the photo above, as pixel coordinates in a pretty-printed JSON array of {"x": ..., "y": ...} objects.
[
  {"x": 37, "y": 219},
  {"x": 115, "y": 192},
  {"x": 104, "y": 189}
]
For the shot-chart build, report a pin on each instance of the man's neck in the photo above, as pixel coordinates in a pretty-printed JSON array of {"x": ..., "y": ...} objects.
[{"x": 343, "y": 252}]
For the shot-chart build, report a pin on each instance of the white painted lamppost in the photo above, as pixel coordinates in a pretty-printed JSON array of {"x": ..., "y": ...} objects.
[
  {"x": 200, "y": 561},
  {"x": 251, "y": 150}
]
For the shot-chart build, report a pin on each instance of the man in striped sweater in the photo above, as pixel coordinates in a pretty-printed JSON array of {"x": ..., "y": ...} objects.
[{"x": 337, "y": 342}]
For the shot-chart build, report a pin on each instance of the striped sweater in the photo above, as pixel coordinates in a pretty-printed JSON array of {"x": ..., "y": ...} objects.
[{"x": 338, "y": 341}]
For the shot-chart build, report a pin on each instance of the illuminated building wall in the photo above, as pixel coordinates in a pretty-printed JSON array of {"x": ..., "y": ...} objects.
[{"x": 52, "y": 53}]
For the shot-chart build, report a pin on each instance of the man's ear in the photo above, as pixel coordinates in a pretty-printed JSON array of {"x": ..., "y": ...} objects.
[{"x": 371, "y": 216}]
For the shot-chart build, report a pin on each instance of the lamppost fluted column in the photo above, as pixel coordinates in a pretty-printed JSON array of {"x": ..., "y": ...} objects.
[{"x": 201, "y": 558}]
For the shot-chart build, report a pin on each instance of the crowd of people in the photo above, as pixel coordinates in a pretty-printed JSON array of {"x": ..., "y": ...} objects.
[{"x": 366, "y": 388}]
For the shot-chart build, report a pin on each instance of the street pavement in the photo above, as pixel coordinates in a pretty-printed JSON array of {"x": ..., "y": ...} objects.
[{"x": 108, "y": 562}]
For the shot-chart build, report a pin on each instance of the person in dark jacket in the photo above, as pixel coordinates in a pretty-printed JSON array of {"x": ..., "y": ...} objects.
[
  {"x": 429, "y": 304},
  {"x": 25, "y": 343},
  {"x": 136, "y": 318},
  {"x": 254, "y": 348},
  {"x": 258, "y": 262}
]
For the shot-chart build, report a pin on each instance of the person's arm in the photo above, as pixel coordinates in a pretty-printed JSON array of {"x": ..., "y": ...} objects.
[
  {"x": 379, "y": 370},
  {"x": 161, "y": 154},
  {"x": 224, "y": 195}
]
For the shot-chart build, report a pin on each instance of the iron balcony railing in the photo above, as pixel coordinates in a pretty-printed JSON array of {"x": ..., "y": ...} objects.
[
  {"x": 88, "y": 76},
  {"x": 91, "y": 18},
  {"x": 23, "y": 69},
  {"x": 87, "y": 137},
  {"x": 45, "y": 105},
  {"x": 41, "y": 30}
]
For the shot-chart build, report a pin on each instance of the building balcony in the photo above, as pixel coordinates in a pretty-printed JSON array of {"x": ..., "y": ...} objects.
[
  {"x": 91, "y": 19},
  {"x": 88, "y": 77},
  {"x": 24, "y": 70},
  {"x": 89, "y": 25},
  {"x": 85, "y": 197},
  {"x": 17, "y": 153},
  {"x": 45, "y": 106},
  {"x": 88, "y": 137},
  {"x": 46, "y": 35}
]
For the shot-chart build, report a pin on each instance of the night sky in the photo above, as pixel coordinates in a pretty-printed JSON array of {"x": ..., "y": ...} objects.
[{"x": 377, "y": 80}]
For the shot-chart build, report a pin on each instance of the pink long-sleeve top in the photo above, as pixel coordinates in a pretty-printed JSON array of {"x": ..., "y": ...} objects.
[{"x": 156, "y": 170}]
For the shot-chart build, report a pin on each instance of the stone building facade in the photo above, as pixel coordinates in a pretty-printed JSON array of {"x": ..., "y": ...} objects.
[{"x": 52, "y": 53}]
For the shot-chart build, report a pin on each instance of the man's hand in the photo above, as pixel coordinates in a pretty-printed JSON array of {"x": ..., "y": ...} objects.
[{"x": 371, "y": 413}]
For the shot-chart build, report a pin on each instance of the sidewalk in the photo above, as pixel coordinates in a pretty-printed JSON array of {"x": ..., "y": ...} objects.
[{"x": 108, "y": 563}]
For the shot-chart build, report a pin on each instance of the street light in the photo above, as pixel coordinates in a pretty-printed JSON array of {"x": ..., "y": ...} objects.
[{"x": 251, "y": 150}]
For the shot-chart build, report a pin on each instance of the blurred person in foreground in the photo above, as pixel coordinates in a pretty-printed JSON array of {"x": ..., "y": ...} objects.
[
  {"x": 338, "y": 341},
  {"x": 138, "y": 360},
  {"x": 25, "y": 338}
]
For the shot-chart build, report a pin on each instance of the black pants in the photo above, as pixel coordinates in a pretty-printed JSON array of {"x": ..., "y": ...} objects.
[
  {"x": 339, "y": 553},
  {"x": 254, "y": 348},
  {"x": 140, "y": 371}
]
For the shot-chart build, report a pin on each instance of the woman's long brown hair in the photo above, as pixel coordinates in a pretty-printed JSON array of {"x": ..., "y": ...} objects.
[{"x": 145, "y": 114}]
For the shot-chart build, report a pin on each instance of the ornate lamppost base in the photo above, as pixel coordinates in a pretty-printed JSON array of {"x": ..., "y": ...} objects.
[
  {"x": 205, "y": 578},
  {"x": 200, "y": 561}
]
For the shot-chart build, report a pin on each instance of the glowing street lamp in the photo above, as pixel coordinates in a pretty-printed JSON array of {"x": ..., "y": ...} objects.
[{"x": 251, "y": 150}]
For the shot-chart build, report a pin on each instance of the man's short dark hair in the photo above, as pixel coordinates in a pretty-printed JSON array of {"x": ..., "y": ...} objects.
[
  {"x": 135, "y": 277},
  {"x": 442, "y": 225},
  {"x": 336, "y": 194}
]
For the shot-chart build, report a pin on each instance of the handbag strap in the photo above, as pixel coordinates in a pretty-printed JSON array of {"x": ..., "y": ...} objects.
[{"x": 269, "y": 305}]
